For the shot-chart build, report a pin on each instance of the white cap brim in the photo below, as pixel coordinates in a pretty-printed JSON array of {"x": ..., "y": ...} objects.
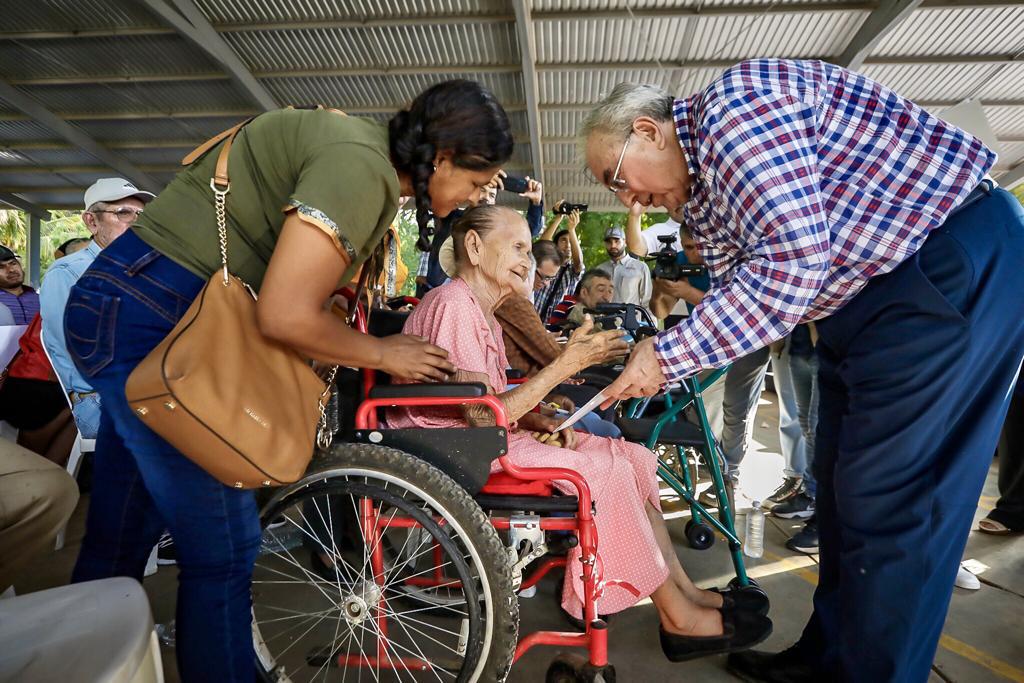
[{"x": 446, "y": 257}]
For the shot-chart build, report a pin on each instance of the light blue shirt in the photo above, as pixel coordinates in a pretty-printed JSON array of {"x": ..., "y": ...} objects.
[{"x": 53, "y": 297}]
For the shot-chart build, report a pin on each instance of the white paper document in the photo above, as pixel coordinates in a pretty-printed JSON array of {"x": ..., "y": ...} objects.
[{"x": 587, "y": 407}]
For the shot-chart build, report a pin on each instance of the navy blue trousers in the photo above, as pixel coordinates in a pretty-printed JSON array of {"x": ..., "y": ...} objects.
[{"x": 915, "y": 378}]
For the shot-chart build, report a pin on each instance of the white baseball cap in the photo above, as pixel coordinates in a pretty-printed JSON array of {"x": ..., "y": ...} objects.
[{"x": 113, "y": 189}]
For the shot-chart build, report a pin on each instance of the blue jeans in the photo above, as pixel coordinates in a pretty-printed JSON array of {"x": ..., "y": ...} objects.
[
  {"x": 796, "y": 385},
  {"x": 87, "y": 415},
  {"x": 743, "y": 384},
  {"x": 120, "y": 309}
]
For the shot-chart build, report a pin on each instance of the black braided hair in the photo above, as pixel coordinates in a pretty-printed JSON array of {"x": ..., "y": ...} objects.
[{"x": 460, "y": 117}]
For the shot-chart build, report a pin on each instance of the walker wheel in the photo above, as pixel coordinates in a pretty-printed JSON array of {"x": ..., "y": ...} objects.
[
  {"x": 734, "y": 584},
  {"x": 700, "y": 536}
]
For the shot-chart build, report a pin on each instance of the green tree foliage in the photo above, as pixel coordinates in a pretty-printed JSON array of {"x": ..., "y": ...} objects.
[{"x": 62, "y": 226}]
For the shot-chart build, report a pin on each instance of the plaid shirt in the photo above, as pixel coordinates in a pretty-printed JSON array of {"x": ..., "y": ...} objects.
[
  {"x": 807, "y": 180},
  {"x": 564, "y": 284}
]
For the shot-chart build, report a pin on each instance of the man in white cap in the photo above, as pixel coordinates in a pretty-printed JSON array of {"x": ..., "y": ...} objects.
[{"x": 111, "y": 206}]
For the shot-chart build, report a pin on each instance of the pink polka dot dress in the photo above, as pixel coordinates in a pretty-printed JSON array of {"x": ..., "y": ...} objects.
[{"x": 621, "y": 475}]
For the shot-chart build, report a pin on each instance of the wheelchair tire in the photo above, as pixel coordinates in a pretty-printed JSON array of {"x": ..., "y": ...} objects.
[
  {"x": 700, "y": 536},
  {"x": 297, "y": 593}
]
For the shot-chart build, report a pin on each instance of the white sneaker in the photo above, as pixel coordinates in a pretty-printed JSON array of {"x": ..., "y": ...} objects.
[{"x": 967, "y": 580}]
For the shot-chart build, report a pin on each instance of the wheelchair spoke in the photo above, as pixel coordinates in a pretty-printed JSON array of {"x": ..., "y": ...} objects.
[
  {"x": 389, "y": 643},
  {"x": 432, "y": 607},
  {"x": 396, "y": 615},
  {"x": 309, "y": 575}
]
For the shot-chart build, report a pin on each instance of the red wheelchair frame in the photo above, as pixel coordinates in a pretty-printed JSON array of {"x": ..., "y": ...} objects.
[{"x": 511, "y": 481}]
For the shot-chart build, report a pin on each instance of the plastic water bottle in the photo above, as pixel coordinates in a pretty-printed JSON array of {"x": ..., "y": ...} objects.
[{"x": 753, "y": 539}]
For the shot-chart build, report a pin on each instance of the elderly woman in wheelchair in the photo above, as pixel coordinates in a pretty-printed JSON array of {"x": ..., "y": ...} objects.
[{"x": 492, "y": 247}]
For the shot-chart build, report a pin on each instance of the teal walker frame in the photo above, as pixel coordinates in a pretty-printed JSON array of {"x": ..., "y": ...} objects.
[{"x": 679, "y": 479}]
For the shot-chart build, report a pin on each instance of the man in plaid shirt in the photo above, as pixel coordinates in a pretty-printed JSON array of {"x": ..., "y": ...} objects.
[{"x": 818, "y": 194}]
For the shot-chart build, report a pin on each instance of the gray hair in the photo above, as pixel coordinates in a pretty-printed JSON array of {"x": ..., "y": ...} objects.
[{"x": 615, "y": 114}]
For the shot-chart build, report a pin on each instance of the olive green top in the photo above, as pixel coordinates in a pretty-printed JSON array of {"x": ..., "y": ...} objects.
[{"x": 333, "y": 169}]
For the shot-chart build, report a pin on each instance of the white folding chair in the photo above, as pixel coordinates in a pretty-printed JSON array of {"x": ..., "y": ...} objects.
[{"x": 80, "y": 447}]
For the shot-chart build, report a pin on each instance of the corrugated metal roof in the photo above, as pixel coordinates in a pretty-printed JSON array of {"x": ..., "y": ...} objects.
[
  {"x": 377, "y": 47},
  {"x": 954, "y": 31},
  {"x": 1013, "y": 154},
  {"x": 931, "y": 81},
  {"x": 77, "y": 15},
  {"x": 396, "y": 48},
  {"x": 180, "y": 96},
  {"x": 380, "y": 91},
  {"x": 105, "y": 56},
  {"x": 803, "y": 35},
  {"x": 610, "y": 40},
  {"x": 266, "y": 11}
]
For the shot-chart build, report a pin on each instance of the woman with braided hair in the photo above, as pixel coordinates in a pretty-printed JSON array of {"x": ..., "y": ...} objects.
[{"x": 312, "y": 192}]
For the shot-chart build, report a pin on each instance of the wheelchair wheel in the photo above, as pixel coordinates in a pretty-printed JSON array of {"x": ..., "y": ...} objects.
[
  {"x": 574, "y": 668},
  {"x": 329, "y": 601},
  {"x": 700, "y": 536}
]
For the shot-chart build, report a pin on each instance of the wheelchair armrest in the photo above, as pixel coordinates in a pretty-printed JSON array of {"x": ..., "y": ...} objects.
[
  {"x": 514, "y": 373},
  {"x": 442, "y": 390}
]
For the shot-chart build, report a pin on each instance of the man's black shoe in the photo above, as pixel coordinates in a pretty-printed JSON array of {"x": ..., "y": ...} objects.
[{"x": 787, "y": 666}]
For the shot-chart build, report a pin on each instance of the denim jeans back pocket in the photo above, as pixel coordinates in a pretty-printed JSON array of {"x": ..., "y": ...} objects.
[{"x": 89, "y": 321}]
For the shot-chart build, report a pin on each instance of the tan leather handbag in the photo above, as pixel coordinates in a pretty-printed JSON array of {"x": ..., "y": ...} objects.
[{"x": 244, "y": 408}]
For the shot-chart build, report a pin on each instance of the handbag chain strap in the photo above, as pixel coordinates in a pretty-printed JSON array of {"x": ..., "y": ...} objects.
[{"x": 221, "y": 185}]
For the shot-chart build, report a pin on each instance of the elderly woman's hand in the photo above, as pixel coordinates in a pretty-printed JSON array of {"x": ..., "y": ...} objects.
[{"x": 586, "y": 348}]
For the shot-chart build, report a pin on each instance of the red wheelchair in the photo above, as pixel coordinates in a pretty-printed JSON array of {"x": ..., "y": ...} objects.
[{"x": 398, "y": 556}]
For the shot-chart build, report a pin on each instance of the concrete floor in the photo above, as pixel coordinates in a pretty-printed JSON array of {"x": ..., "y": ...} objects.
[{"x": 983, "y": 639}]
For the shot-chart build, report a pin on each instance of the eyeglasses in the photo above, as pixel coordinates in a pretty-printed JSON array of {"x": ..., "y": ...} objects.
[
  {"x": 547, "y": 278},
  {"x": 124, "y": 214},
  {"x": 617, "y": 184}
]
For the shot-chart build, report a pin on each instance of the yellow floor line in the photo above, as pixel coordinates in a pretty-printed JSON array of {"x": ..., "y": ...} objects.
[
  {"x": 969, "y": 652},
  {"x": 957, "y": 647}
]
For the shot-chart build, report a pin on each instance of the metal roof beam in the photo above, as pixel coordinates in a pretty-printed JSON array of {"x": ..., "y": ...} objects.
[
  {"x": 715, "y": 11},
  {"x": 587, "y": 106},
  {"x": 528, "y": 56},
  {"x": 430, "y": 20},
  {"x": 193, "y": 26},
  {"x": 1013, "y": 177},
  {"x": 239, "y": 114},
  {"x": 25, "y": 205},
  {"x": 75, "y": 136},
  {"x": 482, "y": 68},
  {"x": 290, "y": 73},
  {"x": 882, "y": 19}
]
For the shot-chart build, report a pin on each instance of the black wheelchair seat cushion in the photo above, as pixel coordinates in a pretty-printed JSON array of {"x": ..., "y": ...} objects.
[
  {"x": 465, "y": 455},
  {"x": 429, "y": 390},
  {"x": 676, "y": 433}
]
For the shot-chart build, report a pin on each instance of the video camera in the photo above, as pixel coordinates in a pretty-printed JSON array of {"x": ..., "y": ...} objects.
[
  {"x": 666, "y": 262},
  {"x": 565, "y": 208}
]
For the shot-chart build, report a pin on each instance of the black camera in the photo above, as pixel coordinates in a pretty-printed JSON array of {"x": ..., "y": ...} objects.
[
  {"x": 666, "y": 262},
  {"x": 565, "y": 208},
  {"x": 511, "y": 183}
]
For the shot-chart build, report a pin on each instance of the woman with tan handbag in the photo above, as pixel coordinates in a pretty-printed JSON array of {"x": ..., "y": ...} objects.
[{"x": 302, "y": 199}]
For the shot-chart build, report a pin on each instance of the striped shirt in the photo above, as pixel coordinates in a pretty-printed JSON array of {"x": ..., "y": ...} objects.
[
  {"x": 23, "y": 307},
  {"x": 807, "y": 180}
]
